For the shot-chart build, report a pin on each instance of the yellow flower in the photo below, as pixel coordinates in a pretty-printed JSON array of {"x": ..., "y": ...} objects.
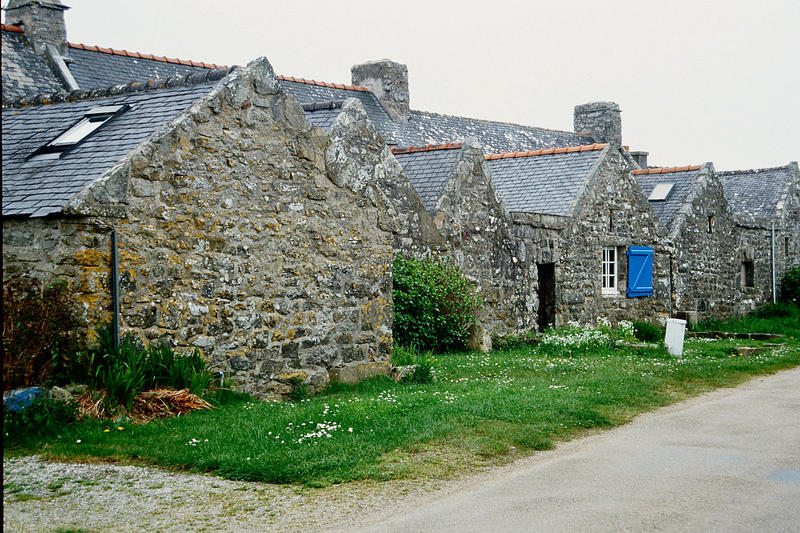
[
  {"x": 120, "y": 428},
  {"x": 106, "y": 430}
]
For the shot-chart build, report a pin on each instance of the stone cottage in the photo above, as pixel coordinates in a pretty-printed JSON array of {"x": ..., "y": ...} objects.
[
  {"x": 596, "y": 242},
  {"x": 234, "y": 232},
  {"x": 760, "y": 200},
  {"x": 454, "y": 184},
  {"x": 702, "y": 236}
]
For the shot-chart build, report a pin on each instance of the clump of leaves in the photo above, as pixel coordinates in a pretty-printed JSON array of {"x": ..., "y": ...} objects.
[
  {"x": 300, "y": 391},
  {"x": 39, "y": 332},
  {"x": 790, "y": 286},
  {"x": 434, "y": 304},
  {"x": 515, "y": 341},
  {"x": 410, "y": 355},
  {"x": 45, "y": 416},
  {"x": 647, "y": 332}
]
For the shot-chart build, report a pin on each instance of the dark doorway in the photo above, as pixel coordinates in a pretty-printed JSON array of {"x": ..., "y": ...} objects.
[{"x": 547, "y": 294}]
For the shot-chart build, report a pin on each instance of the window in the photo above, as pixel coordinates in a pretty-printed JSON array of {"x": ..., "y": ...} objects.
[
  {"x": 660, "y": 192},
  {"x": 710, "y": 224},
  {"x": 609, "y": 271},
  {"x": 610, "y": 220},
  {"x": 78, "y": 132},
  {"x": 749, "y": 273}
]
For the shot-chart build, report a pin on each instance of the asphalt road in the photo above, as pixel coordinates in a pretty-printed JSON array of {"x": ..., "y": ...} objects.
[{"x": 728, "y": 461}]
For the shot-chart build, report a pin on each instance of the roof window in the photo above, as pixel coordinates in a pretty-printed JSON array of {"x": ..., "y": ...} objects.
[
  {"x": 78, "y": 132},
  {"x": 661, "y": 192}
]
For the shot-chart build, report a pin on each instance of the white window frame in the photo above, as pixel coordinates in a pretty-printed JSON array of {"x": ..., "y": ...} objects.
[{"x": 610, "y": 271}]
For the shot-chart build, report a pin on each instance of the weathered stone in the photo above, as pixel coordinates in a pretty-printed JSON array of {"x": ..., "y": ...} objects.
[
  {"x": 479, "y": 339},
  {"x": 359, "y": 372}
]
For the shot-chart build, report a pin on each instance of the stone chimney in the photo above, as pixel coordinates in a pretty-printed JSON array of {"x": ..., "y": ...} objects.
[
  {"x": 41, "y": 20},
  {"x": 389, "y": 82},
  {"x": 600, "y": 119},
  {"x": 640, "y": 158}
]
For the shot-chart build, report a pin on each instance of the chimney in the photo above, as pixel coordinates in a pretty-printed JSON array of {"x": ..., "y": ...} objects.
[
  {"x": 389, "y": 83},
  {"x": 41, "y": 20},
  {"x": 640, "y": 158},
  {"x": 601, "y": 120}
]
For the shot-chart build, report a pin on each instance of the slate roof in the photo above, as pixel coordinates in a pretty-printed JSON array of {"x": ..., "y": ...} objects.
[
  {"x": 428, "y": 169},
  {"x": 42, "y": 187},
  {"x": 542, "y": 182},
  {"x": 433, "y": 128},
  {"x": 100, "y": 67},
  {"x": 756, "y": 192},
  {"x": 666, "y": 210},
  {"x": 25, "y": 73},
  {"x": 308, "y": 92}
]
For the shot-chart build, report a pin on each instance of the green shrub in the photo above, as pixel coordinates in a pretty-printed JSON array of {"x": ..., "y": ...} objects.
[
  {"x": 123, "y": 374},
  {"x": 790, "y": 286},
  {"x": 39, "y": 332},
  {"x": 777, "y": 310},
  {"x": 409, "y": 355},
  {"x": 300, "y": 390},
  {"x": 45, "y": 416},
  {"x": 434, "y": 304},
  {"x": 647, "y": 332}
]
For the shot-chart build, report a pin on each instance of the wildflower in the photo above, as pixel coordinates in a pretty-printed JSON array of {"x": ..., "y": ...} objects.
[
  {"x": 120, "y": 428},
  {"x": 348, "y": 429},
  {"x": 78, "y": 441},
  {"x": 106, "y": 430}
]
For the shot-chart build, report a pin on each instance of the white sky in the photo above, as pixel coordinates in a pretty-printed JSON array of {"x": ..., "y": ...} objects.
[{"x": 696, "y": 80}]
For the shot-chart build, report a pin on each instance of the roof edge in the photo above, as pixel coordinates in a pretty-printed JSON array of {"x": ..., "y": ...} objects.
[
  {"x": 426, "y": 148},
  {"x": 787, "y": 166},
  {"x": 137, "y": 55},
  {"x": 548, "y": 151},
  {"x": 665, "y": 170},
  {"x": 490, "y": 121},
  {"x": 324, "y": 84},
  {"x": 195, "y": 78}
]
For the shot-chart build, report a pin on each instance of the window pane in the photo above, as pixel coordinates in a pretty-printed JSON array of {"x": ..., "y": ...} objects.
[{"x": 79, "y": 131}]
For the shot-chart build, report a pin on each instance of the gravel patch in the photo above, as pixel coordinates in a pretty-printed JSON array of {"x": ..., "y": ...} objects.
[{"x": 45, "y": 496}]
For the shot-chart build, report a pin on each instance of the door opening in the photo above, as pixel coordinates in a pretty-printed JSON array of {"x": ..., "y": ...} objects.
[{"x": 547, "y": 294}]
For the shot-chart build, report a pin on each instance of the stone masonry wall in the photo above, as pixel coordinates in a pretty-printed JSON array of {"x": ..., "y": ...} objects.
[
  {"x": 575, "y": 244},
  {"x": 705, "y": 272},
  {"x": 233, "y": 239},
  {"x": 481, "y": 241}
]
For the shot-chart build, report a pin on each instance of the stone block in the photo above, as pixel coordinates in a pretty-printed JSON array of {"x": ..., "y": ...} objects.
[{"x": 358, "y": 372}]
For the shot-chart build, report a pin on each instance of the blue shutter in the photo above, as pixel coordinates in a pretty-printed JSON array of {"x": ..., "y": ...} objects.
[{"x": 640, "y": 271}]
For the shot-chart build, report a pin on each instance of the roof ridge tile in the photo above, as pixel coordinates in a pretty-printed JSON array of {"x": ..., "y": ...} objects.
[
  {"x": 195, "y": 78},
  {"x": 548, "y": 151},
  {"x": 323, "y": 83},
  {"x": 425, "y": 148},
  {"x": 665, "y": 170},
  {"x": 139, "y": 55},
  {"x": 11, "y": 28}
]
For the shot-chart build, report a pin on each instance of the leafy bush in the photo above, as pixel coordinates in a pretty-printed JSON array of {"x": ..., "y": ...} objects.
[
  {"x": 125, "y": 371},
  {"x": 434, "y": 304},
  {"x": 404, "y": 356},
  {"x": 45, "y": 416},
  {"x": 790, "y": 286},
  {"x": 777, "y": 310},
  {"x": 39, "y": 332},
  {"x": 647, "y": 332}
]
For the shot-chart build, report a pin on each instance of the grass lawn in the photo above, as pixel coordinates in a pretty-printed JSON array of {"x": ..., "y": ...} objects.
[{"x": 484, "y": 409}]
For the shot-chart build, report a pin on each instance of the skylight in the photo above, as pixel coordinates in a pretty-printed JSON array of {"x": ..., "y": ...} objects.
[
  {"x": 661, "y": 191},
  {"x": 78, "y": 132}
]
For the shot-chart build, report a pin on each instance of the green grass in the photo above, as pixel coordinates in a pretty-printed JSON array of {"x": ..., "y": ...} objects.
[{"x": 484, "y": 409}]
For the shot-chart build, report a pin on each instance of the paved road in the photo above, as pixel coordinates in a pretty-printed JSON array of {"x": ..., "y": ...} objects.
[{"x": 729, "y": 461}]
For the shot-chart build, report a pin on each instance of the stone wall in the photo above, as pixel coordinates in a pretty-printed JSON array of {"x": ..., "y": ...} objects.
[
  {"x": 705, "y": 271},
  {"x": 574, "y": 243},
  {"x": 481, "y": 241},
  {"x": 232, "y": 239}
]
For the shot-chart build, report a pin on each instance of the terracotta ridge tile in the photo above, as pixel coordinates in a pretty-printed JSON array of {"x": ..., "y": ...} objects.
[
  {"x": 12, "y": 28},
  {"x": 665, "y": 170},
  {"x": 547, "y": 151},
  {"x": 323, "y": 83},
  {"x": 139, "y": 55},
  {"x": 426, "y": 148}
]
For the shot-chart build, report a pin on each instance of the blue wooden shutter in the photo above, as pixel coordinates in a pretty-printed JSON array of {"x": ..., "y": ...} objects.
[{"x": 640, "y": 271}]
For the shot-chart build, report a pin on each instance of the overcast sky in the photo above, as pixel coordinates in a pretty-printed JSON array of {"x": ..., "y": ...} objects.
[{"x": 696, "y": 80}]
